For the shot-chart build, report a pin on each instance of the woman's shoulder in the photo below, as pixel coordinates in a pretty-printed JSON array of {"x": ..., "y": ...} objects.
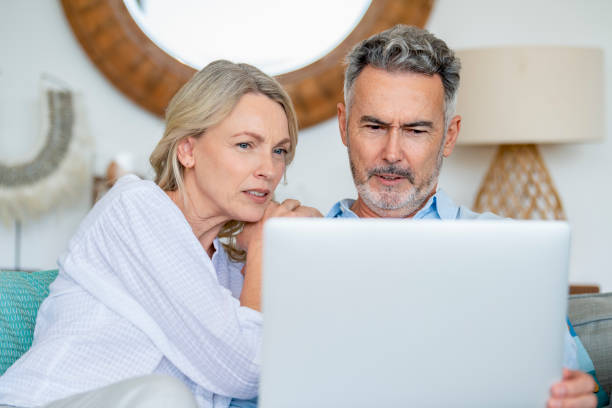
[
  {"x": 131, "y": 190},
  {"x": 132, "y": 185},
  {"x": 129, "y": 200}
]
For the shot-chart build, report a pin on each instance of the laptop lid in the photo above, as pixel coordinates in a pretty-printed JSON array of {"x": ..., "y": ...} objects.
[{"x": 365, "y": 313}]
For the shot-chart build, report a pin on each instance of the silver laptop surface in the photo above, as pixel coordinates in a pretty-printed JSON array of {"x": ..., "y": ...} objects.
[{"x": 391, "y": 313}]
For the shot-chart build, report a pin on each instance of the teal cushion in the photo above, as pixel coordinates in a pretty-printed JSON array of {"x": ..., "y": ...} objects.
[{"x": 21, "y": 294}]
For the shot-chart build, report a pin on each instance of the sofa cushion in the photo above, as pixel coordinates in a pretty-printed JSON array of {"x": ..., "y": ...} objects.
[
  {"x": 586, "y": 364},
  {"x": 591, "y": 316},
  {"x": 21, "y": 294}
]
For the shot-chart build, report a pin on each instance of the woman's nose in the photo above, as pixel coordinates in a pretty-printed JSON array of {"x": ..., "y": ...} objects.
[{"x": 266, "y": 167}]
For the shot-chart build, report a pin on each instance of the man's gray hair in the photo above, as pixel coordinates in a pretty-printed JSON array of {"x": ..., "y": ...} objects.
[{"x": 406, "y": 49}]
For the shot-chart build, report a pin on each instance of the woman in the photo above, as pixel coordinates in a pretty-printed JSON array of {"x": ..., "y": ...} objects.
[{"x": 146, "y": 286}]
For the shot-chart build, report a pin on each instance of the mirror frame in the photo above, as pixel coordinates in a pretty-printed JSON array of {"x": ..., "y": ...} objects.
[{"x": 150, "y": 77}]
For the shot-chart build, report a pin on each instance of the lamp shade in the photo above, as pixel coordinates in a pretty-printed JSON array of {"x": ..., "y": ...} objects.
[{"x": 517, "y": 95}]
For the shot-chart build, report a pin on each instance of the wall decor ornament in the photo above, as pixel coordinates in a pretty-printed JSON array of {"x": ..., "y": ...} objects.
[
  {"x": 149, "y": 76},
  {"x": 54, "y": 174}
]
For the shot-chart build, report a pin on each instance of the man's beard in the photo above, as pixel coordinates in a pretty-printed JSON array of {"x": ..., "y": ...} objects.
[{"x": 403, "y": 203}]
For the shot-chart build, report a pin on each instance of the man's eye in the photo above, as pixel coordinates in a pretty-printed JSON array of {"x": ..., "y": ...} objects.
[
  {"x": 416, "y": 131},
  {"x": 374, "y": 127},
  {"x": 243, "y": 145}
]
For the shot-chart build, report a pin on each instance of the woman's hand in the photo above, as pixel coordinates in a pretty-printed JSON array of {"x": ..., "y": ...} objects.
[
  {"x": 252, "y": 232},
  {"x": 251, "y": 239}
]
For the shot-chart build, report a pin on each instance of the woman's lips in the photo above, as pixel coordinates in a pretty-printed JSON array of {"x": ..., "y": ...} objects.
[{"x": 258, "y": 196}]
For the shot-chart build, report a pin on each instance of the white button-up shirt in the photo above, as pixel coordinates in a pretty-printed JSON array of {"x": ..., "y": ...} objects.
[{"x": 137, "y": 294}]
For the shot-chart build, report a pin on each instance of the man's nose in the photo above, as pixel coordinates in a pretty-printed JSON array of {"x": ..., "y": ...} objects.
[{"x": 392, "y": 151}]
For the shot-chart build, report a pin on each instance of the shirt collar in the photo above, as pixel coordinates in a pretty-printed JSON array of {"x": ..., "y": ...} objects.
[
  {"x": 439, "y": 205},
  {"x": 446, "y": 208},
  {"x": 342, "y": 209}
]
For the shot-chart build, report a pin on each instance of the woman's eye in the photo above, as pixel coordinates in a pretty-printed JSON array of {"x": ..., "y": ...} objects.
[
  {"x": 280, "y": 150},
  {"x": 243, "y": 145}
]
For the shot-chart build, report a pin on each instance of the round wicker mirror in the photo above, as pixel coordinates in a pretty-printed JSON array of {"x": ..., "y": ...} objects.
[{"x": 150, "y": 77}]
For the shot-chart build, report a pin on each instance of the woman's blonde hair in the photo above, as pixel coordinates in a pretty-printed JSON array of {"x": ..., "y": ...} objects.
[{"x": 203, "y": 102}]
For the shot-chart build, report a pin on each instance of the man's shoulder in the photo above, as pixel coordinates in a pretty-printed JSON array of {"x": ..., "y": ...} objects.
[
  {"x": 465, "y": 213},
  {"x": 448, "y": 210}
]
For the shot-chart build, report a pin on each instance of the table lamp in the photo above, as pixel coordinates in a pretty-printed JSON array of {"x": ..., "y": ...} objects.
[{"x": 517, "y": 97}]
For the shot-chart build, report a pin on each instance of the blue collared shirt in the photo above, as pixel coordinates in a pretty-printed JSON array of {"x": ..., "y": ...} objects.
[{"x": 441, "y": 207}]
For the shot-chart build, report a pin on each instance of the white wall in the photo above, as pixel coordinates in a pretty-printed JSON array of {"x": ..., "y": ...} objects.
[{"x": 35, "y": 38}]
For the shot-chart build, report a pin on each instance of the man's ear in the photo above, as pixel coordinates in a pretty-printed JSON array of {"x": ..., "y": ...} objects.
[
  {"x": 342, "y": 122},
  {"x": 451, "y": 135},
  {"x": 184, "y": 152}
]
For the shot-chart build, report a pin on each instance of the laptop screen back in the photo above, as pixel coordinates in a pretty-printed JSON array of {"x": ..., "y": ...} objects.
[{"x": 364, "y": 313}]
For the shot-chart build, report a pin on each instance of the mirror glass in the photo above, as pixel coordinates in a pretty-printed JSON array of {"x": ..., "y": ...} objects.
[{"x": 277, "y": 36}]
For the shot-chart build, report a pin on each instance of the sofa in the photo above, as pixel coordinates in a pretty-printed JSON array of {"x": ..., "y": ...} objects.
[
  {"x": 21, "y": 294},
  {"x": 591, "y": 317}
]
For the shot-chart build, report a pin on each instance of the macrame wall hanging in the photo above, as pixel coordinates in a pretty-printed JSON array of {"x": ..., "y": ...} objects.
[{"x": 54, "y": 174}]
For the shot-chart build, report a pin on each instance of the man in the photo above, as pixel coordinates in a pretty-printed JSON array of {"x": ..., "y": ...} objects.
[{"x": 398, "y": 124}]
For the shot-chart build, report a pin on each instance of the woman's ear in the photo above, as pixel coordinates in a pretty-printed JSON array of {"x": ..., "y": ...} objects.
[{"x": 185, "y": 152}]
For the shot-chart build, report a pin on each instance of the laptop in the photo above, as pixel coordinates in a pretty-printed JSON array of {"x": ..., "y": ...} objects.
[{"x": 395, "y": 313}]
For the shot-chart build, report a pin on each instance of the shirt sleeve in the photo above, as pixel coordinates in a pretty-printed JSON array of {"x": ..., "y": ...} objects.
[
  {"x": 570, "y": 359},
  {"x": 141, "y": 259}
]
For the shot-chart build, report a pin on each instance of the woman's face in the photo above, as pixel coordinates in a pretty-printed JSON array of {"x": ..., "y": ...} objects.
[{"x": 233, "y": 169}]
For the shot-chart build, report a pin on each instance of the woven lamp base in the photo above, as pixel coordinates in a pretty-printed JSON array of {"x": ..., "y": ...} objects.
[{"x": 518, "y": 185}]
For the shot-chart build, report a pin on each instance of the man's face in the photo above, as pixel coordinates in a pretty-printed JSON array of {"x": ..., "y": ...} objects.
[{"x": 395, "y": 139}]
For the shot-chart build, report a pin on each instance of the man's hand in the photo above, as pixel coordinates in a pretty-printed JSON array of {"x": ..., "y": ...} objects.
[
  {"x": 575, "y": 390},
  {"x": 288, "y": 208}
]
